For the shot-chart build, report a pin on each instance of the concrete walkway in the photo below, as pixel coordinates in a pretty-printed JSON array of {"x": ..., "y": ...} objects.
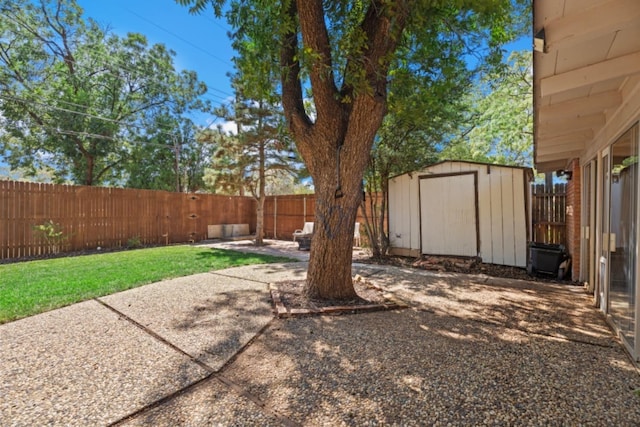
[{"x": 207, "y": 350}]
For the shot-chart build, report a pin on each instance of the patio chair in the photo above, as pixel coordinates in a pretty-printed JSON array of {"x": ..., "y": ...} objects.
[
  {"x": 306, "y": 230},
  {"x": 356, "y": 235}
]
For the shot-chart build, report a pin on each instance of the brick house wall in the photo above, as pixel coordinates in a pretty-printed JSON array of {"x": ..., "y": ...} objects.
[{"x": 573, "y": 216}]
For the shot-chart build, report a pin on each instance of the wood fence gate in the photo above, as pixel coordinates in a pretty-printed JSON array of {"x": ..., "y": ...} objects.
[{"x": 548, "y": 210}]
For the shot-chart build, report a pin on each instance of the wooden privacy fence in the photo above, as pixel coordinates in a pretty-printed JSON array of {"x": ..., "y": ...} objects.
[
  {"x": 107, "y": 217},
  {"x": 94, "y": 217},
  {"x": 285, "y": 214},
  {"x": 548, "y": 209}
]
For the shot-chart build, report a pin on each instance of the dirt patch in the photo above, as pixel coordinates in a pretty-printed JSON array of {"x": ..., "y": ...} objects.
[
  {"x": 292, "y": 295},
  {"x": 464, "y": 265},
  {"x": 289, "y": 299}
]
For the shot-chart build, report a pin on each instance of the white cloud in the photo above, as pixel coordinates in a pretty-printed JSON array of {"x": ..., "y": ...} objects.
[{"x": 229, "y": 127}]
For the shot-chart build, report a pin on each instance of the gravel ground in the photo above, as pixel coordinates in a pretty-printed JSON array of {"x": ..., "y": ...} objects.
[
  {"x": 562, "y": 311},
  {"x": 416, "y": 368}
]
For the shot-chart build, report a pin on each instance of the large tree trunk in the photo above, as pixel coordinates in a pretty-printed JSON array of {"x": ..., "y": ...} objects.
[
  {"x": 329, "y": 274},
  {"x": 336, "y": 145},
  {"x": 337, "y": 176}
]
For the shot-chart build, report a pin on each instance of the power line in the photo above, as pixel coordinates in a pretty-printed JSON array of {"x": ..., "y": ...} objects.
[
  {"x": 179, "y": 37},
  {"x": 121, "y": 123},
  {"x": 217, "y": 23},
  {"x": 25, "y": 101},
  {"x": 131, "y": 68},
  {"x": 80, "y": 113},
  {"x": 106, "y": 137},
  {"x": 209, "y": 87}
]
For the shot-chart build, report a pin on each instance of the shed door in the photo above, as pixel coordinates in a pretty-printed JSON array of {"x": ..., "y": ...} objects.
[{"x": 448, "y": 214}]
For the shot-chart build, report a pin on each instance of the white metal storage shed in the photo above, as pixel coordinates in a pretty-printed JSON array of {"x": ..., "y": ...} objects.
[{"x": 461, "y": 208}]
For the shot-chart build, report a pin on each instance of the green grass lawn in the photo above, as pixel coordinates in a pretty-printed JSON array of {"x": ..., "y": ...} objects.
[{"x": 28, "y": 288}]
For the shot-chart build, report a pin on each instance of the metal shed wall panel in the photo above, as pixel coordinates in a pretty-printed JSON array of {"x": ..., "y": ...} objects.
[
  {"x": 404, "y": 213},
  {"x": 502, "y": 220}
]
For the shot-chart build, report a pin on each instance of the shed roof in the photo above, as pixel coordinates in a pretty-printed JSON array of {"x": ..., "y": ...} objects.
[{"x": 528, "y": 170}]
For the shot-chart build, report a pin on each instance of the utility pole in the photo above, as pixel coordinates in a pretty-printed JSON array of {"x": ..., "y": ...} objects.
[{"x": 176, "y": 149}]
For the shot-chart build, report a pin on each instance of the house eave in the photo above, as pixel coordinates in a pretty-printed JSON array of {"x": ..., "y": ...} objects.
[{"x": 591, "y": 51}]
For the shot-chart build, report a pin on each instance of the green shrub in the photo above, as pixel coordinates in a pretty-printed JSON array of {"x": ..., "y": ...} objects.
[
  {"x": 134, "y": 242},
  {"x": 52, "y": 234}
]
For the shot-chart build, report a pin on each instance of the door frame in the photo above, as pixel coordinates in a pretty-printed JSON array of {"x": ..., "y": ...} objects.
[
  {"x": 603, "y": 229},
  {"x": 588, "y": 269}
]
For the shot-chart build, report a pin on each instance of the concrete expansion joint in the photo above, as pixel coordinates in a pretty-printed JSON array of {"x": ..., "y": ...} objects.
[
  {"x": 236, "y": 388},
  {"x": 143, "y": 410},
  {"x": 215, "y": 273},
  {"x": 212, "y": 374},
  {"x": 156, "y": 336}
]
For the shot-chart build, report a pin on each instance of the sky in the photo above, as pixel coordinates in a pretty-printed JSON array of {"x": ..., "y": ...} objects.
[{"x": 200, "y": 41}]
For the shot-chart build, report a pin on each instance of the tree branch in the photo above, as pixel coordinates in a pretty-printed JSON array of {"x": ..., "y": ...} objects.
[
  {"x": 60, "y": 29},
  {"x": 106, "y": 168},
  {"x": 383, "y": 26},
  {"x": 316, "y": 42},
  {"x": 292, "y": 99}
]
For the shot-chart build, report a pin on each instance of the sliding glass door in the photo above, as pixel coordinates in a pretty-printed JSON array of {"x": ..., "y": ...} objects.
[{"x": 622, "y": 241}]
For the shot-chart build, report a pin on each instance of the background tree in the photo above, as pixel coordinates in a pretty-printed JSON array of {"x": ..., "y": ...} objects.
[
  {"x": 223, "y": 174},
  {"x": 499, "y": 121},
  {"x": 74, "y": 97},
  {"x": 343, "y": 51},
  {"x": 247, "y": 161},
  {"x": 284, "y": 183},
  {"x": 171, "y": 159}
]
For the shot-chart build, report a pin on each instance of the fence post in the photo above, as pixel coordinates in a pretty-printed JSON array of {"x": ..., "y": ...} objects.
[{"x": 275, "y": 217}]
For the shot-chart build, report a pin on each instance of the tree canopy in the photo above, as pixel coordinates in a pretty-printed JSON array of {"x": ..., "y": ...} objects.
[
  {"x": 498, "y": 125},
  {"x": 80, "y": 100}
]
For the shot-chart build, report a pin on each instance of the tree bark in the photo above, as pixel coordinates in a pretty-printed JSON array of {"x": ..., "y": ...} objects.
[
  {"x": 339, "y": 171},
  {"x": 88, "y": 177},
  {"x": 260, "y": 221},
  {"x": 337, "y": 145},
  {"x": 261, "y": 197}
]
